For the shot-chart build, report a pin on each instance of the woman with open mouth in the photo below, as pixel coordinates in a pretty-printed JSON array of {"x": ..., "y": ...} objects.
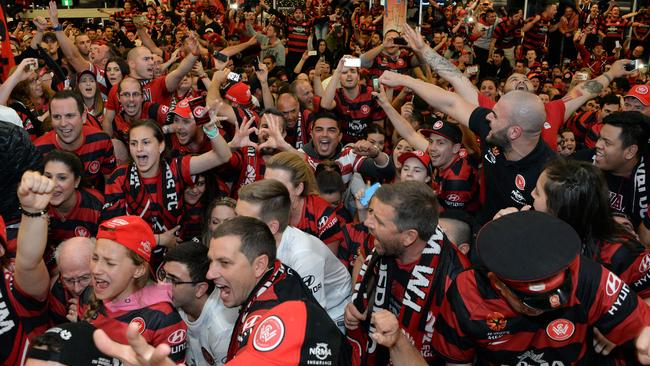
[
  {"x": 153, "y": 187},
  {"x": 122, "y": 292},
  {"x": 92, "y": 96},
  {"x": 74, "y": 210}
]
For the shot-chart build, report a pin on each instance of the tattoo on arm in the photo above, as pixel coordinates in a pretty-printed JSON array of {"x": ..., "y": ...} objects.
[
  {"x": 440, "y": 64},
  {"x": 593, "y": 87}
]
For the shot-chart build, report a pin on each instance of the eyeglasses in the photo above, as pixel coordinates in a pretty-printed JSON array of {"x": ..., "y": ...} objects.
[
  {"x": 131, "y": 95},
  {"x": 73, "y": 281},
  {"x": 174, "y": 281}
]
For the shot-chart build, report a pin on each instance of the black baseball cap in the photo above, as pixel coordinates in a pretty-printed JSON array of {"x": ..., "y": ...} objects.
[
  {"x": 448, "y": 130},
  {"x": 527, "y": 246},
  {"x": 71, "y": 344},
  {"x": 294, "y": 333}
]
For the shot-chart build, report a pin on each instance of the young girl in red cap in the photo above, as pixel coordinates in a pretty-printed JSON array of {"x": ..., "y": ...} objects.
[{"x": 120, "y": 270}]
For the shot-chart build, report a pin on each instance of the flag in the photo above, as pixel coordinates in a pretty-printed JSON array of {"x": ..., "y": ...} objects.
[
  {"x": 6, "y": 57},
  {"x": 394, "y": 15}
]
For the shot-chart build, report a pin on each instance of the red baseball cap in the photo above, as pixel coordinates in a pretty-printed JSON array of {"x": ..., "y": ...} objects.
[
  {"x": 239, "y": 93},
  {"x": 182, "y": 109},
  {"x": 423, "y": 157},
  {"x": 640, "y": 92},
  {"x": 130, "y": 231},
  {"x": 293, "y": 333}
]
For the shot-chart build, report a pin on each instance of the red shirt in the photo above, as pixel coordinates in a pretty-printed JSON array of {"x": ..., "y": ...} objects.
[{"x": 320, "y": 220}]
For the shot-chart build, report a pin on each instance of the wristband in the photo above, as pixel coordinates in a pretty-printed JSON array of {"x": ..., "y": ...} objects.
[
  {"x": 33, "y": 214},
  {"x": 58, "y": 28},
  {"x": 210, "y": 132}
]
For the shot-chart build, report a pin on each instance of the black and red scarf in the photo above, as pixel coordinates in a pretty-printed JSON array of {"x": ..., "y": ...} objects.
[
  {"x": 139, "y": 201},
  {"x": 244, "y": 325},
  {"x": 373, "y": 289}
]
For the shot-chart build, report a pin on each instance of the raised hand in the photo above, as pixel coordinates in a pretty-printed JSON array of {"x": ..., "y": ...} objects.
[
  {"x": 54, "y": 13},
  {"x": 35, "y": 191},
  {"x": 242, "y": 134},
  {"x": 414, "y": 38}
]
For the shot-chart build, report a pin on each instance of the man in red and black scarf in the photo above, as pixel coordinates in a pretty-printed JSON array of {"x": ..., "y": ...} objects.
[{"x": 410, "y": 268}]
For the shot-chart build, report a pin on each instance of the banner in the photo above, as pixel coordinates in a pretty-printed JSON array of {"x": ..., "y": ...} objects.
[
  {"x": 394, "y": 15},
  {"x": 6, "y": 57}
]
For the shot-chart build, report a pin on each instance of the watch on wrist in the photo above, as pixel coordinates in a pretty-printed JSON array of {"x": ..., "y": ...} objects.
[{"x": 58, "y": 28}]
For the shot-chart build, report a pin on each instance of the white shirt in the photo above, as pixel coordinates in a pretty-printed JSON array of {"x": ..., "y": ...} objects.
[
  {"x": 320, "y": 270},
  {"x": 209, "y": 335}
]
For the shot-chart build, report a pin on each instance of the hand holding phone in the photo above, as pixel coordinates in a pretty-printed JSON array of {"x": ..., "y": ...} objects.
[{"x": 633, "y": 65}]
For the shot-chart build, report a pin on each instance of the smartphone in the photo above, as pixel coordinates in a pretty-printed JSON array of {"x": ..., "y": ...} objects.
[
  {"x": 618, "y": 44},
  {"x": 234, "y": 6},
  {"x": 33, "y": 66},
  {"x": 256, "y": 64},
  {"x": 352, "y": 62},
  {"x": 634, "y": 65},
  {"x": 400, "y": 41},
  {"x": 312, "y": 53},
  {"x": 220, "y": 56},
  {"x": 197, "y": 106},
  {"x": 472, "y": 70},
  {"x": 375, "y": 84},
  {"x": 581, "y": 76},
  {"x": 139, "y": 19},
  {"x": 233, "y": 76}
]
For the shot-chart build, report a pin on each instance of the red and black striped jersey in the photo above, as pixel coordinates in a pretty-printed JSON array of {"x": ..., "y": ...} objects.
[
  {"x": 82, "y": 220},
  {"x": 154, "y": 90},
  {"x": 159, "y": 323},
  {"x": 154, "y": 111},
  {"x": 96, "y": 153},
  {"x": 21, "y": 317},
  {"x": 320, "y": 220},
  {"x": 298, "y": 34},
  {"x": 457, "y": 185},
  {"x": 58, "y": 301},
  {"x": 357, "y": 114},
  {"x": 580, "y": 124},
  {"x": 357, "y": 241},
  {"x": 507, "y": 34},
  {"x": 117, "y": 197},
  {"x": 246, "y": 165},
  {"x": 593, "y": 134},
  {"x": 475, "y": 322},
  {"x": 536, "y": 38},
  {"x": 192, "y": 222},
  {"x": 629, "y": 260},
  {"x": 402, "y": 63},
  {"x": 614, "y": 28}
]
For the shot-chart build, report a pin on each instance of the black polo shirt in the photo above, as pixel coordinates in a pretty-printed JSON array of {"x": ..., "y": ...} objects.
[{"x": 507, "y": 183}]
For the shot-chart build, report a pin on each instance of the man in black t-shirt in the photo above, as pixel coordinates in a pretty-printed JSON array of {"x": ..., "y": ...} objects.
[{"x": 514, "y": 155}]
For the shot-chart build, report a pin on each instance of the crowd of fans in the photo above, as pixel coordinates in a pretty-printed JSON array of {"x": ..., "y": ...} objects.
[{"x": 300, "y": 184}]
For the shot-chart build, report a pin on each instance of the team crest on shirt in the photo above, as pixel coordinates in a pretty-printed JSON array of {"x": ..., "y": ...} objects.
[
  {"x": 547, "y": 125},
  {"x": 93, "y": 167},
  {"x": 400, "y": 62},
  {"x": 496, "y": 321},
  {"x": 82, "y": 232},
  {"x": 644, "y": 266},
  {"x": 207, "y": 356},
  {"x": 560, "y": 329},
  {"x": 365, "y": 109},
  {"x": 520, "y": 182},
  {"x": 140, "y": 323},
  {"x": 269, "y": 334}
]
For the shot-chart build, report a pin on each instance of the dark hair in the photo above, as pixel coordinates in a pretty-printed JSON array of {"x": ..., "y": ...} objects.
[
  {"x": 634, "y": 127},
  {"x": 195, "y": 257},
  {"x": 489, "y": 78},
  {"x": 256, "y": 238},
  {"x": 415, "y": 205},
  {"x": 273, "y": 198},
  {"x": 499, "y": 52},
  {"x": 330, "y": 181},
  {"x": 66, "y": 94},
  {"x": 622, "y": 83},
  {"x": 325, "y": 114},
  {"x": 375, "y": 128},
  {"x": 121, "y": 63},
  {"x": 275, "y": 112},
  {"x": 577, "y": 193},
  {"x": 610, "y": 98},
  {"x": 270, "y": 56},
  {"x": 71, "y": 160},
  {"x": 157, "y": 131}
]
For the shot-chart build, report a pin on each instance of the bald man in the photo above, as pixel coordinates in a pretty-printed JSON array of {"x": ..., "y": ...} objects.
[
  {"x": 72, "y": 285},
  {"x": 513, "y": 126},
  {"x": 297, "y": 129}
]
